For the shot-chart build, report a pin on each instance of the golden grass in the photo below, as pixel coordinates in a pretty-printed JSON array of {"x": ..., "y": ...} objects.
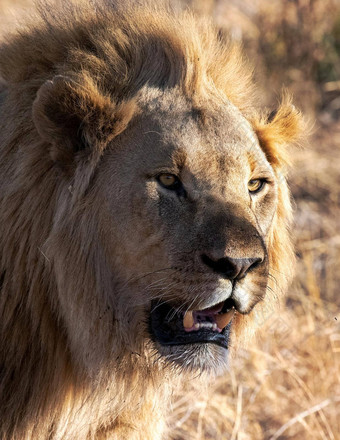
[{"x": 286, "y": 384}]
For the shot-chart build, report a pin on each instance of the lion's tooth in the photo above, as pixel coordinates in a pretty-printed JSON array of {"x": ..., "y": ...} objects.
[
  {"x": 224, "y": 319},
  {"x": 188, "y": 319}
]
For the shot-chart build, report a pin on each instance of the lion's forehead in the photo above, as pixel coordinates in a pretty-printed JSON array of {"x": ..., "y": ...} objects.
[{"x": 211, "y": 140}]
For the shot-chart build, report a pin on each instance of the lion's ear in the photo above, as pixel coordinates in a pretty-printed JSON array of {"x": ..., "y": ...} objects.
[
  {"x": 278, "y": 130},
  {"x": 75, "y": 116}
]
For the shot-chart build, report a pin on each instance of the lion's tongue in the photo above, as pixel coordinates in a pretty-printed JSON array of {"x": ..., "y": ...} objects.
[{"x": 212, "y": 315}]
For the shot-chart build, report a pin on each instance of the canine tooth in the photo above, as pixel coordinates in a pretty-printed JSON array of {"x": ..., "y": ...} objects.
[
  {"x": 214, "y": 326},
  {"x": 224, "y": 319},
  {"x": 197, "y": 325},
  {"x": 188, "y": 319}
]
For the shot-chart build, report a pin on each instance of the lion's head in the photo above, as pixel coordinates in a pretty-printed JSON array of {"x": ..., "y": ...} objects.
[{"x": 162, "y": 225}]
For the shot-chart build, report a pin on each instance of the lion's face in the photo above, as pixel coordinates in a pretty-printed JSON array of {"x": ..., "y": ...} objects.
[{"x": 189, "y": 198}]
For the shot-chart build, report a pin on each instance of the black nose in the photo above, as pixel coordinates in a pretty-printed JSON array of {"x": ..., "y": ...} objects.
[{"x": 231, "y": 268}]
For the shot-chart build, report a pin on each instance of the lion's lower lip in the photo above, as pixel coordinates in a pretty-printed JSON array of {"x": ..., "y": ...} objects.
[{"x": 169, "y": 327}]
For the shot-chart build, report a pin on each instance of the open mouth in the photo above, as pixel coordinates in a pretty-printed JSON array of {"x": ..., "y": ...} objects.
[{"x": 172, "y": 327}]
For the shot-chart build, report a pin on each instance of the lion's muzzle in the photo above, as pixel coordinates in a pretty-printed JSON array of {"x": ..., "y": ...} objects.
[{"x": 226, "y": 273}]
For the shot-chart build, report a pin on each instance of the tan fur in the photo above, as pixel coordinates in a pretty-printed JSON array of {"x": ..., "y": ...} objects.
[{"x": 91, "y": 96}]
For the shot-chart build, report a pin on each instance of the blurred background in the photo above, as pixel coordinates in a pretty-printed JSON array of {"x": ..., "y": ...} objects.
[{"x": 287, "y": 384}]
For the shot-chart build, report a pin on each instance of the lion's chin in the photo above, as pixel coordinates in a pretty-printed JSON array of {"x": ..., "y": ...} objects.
[
  {"x": 201, "y": 358},
  {"x": 194, "y": 340}
]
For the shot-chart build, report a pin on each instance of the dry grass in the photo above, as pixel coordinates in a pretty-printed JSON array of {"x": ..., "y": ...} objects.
[{"x": 287, "y": 384}]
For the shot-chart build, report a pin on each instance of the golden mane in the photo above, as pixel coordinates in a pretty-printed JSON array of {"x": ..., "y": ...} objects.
[{"x": 130, "y": 45}]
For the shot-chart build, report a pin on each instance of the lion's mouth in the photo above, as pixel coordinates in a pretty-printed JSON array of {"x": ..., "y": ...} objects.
[{"x": 172, "y": 327}]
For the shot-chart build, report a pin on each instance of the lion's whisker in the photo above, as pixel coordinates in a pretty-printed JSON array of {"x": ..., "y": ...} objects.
[{"x": 140, "y": 277}]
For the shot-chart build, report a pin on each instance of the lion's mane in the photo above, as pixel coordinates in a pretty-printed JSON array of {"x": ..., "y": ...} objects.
[{"x": 111, "y": 52}]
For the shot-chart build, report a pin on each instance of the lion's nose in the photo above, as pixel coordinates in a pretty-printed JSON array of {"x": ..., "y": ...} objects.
[{"x": 231, "y": 268}]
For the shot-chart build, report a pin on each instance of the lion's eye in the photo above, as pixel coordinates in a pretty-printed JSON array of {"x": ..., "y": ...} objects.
[
  {"x": 169, "y": 181},
  {"x": 256, "y": 185}
]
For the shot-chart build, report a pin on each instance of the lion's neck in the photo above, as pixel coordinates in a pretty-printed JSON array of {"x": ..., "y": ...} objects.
[{"x": 132, "y": 406}]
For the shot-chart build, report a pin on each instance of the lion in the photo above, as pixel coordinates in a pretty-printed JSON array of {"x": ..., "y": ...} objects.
[{"x": 144, "y": 214}]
